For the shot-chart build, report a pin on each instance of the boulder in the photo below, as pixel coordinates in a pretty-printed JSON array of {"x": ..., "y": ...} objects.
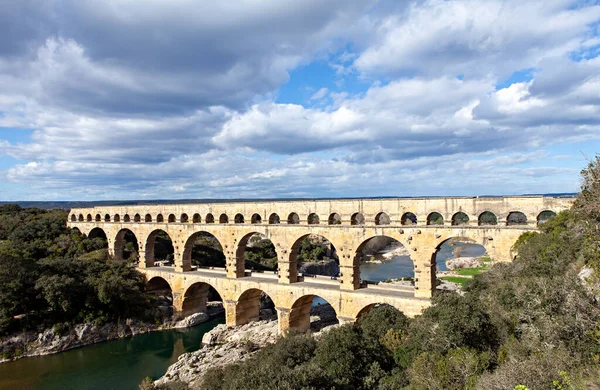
[{"x": 193, "y": 320}]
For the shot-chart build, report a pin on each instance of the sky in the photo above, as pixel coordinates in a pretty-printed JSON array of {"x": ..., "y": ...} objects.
[{"x": 180, "y": 99}]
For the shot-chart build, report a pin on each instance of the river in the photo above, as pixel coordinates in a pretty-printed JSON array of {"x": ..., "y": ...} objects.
[
  {"x": 402, "y": 266},
  {"x": 117, "y": 364}
]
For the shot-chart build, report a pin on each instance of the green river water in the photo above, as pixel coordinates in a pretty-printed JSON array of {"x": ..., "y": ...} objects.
[{"x": 118, "y": 364}]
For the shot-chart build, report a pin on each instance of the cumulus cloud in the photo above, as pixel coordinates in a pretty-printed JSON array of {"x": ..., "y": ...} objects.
[{"x": 164, "y": 100}]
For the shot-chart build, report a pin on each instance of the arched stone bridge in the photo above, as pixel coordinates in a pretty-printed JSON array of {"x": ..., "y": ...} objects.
[{"x": 420, "y": 224}]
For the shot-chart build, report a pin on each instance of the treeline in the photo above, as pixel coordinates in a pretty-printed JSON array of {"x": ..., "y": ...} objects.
[
  {"x": 50, "y": 274},
  {"x": 530, "y": 324}
]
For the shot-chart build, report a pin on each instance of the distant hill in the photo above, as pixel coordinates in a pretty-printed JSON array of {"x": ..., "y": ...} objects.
[{"x": 76, "y": 204}]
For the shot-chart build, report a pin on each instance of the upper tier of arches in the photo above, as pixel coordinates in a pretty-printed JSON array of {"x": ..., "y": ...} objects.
[{"x": 434, "y": 218}]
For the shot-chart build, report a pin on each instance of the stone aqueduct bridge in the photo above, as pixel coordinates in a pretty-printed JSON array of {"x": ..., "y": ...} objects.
[{"x": 421, "y": 225}]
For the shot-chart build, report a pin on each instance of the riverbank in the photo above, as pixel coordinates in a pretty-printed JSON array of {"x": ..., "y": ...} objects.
[{"x": 62, "y": 338}]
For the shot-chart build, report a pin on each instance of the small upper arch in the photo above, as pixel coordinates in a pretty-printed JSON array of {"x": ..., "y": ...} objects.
[
  {"x": 209, "y": 218},
  {"x": 172, "y": 218},
  {"x": 408, "y": 218},
  {"x": 313, "y": 219},
  {"x": 357, "y": 219},
  {"x": 274, "y": 219},
  {"x": 137, "y": 218},
  {"x": 435, "y": 218},
  {"x": 89, "y": 217},
  {"x": 73, "y": 218},
  {"x": 117, "y": 218},
  {"x": 487, "y": 218},
  {"x": 126, "y": 218},
  {"x": 80, "y": 217},
  {"x": 544, "y": 216},
  {"x": 160, "y": 218},
  {"x": 107, "y": 218},
  {"x": 460, "y": 218},
  {"x": 334, "y": 219},
  {"x": 382, "y": 219},
  {"x": 239, "y": 218},
  {"x": 183, "y": 218},
  {"x": 293, "y": 219},
  {"x": 223, "y": 218},
  {"x": 98, "y": 218},
  {"x": 196, "y": 218},
  {"x": 256, "y": 218},
  {"x": 148, "y": 218},
  {"x": 516, "y": 218}
]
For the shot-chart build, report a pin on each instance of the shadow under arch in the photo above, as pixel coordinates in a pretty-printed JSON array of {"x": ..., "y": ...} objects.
[
  {"x": 97, "y": 233},
  {"x": 384, "y": 259},
  {"x": 159, "y": 246},
  {"x": 367, "y": 309},
  {"x": 201, "y": 297},
  {"x": 313, "y": 248},
  {"x": 160, "y": 294},
  {"x": 253, "y": 305},
  {"x": 204, "y": 250},
  {"x": 309, "y": 306},
  {"x": 126, "y": 245},
  {"x": 256, "y": 252}
]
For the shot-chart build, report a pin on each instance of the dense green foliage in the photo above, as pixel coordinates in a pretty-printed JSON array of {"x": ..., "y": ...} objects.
[
  {"x": 311, "y": 250},
  {"x": 51, "y": 274},
  {"x": 260, "y": 254},
  {"x": 207, "y": 251},
  {"x": 533, "y": 323}
]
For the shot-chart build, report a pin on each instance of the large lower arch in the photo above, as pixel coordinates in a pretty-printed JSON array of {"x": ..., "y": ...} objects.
[
  {"x": 200, "y": 297},
  {"x": 309, "y": 306},
  {"x": 384, "y": 259},
  {"x": 457, "y": 253},
  {"x": 159, "y": 247},
  {"x": 97, "y": 233},
  {"x": 544, "y": 216},
  {"x": 126, "y": 245},
  {"x": 203, "y": 250},
  {"x": 257, "y": 253},
  {"x": 160, "y": 294},
  {"x": 253, "y": 305},
  {"x": 313, "y": 255}
]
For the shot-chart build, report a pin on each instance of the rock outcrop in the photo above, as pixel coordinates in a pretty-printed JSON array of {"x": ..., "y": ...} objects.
[{"x": 326, "y": 267}]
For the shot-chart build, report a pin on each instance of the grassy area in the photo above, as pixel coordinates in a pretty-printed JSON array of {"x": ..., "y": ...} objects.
[
  {"x": 456, "y": 279},
  {"x": 471, "y": 271}
]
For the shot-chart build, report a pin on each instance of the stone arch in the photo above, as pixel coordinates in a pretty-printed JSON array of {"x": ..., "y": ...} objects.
[
  {"x": 89, "y": 218},
  {"x": 148, "y": 218},
  {"x": 334, "y": 219},
  {"x": 302, "y": 310},
  {"x": 209, "y": 218},
  {"x": 97, "y": 233},
  {"x": 196, "y": 218},
  {"x": 172, "y": 218},
  {"x": 73, "y": 218},
  {"x": 98, "y": 218},
  {"x": 160, "y": 218},
  {"x": 203, "y": 250},
  {"x": 435, "y": 218},
  {"x": 487, "y": 218},
  {"x": 80, "y": 218},
  {"x": 371, "y": 306},
  {"x": 117, "y": 218},
  {"x": 293, "y": 219},
  {"x": 357, "y": 219},
  {"x": 313, "y": 219},
  {"x": 382, "y": 219},
  {"x": 239, "y": 218},
  {"x": 459, "y": 219},
  {"x": 197, "y": 296},
  {"x": 161, "y": 295},
  {"x": 121, "y": 239},
  {"x": 165, "y": 247},
  {"x": 274, "y": 219},
  {"x": 107, "y": 218},
  {"x": 516, "y": 218},
  {"x": 137, "y": 218},
  {"x": 408, "y": 218},
  {"x": 296, "y": 260},
  {"x": 126, "y": 218},
  {"x": 183, "y": 218},
  {"x": 447, "y": 249},
  {"x": 251, "y": 251},
  {"x": 223, "y": 218},
  {"x": 256, "y": 218},
  {"x": 251, "y": 305},
  {"x": 544, "y": 216},
  {"x": 398, "y": 261}
]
